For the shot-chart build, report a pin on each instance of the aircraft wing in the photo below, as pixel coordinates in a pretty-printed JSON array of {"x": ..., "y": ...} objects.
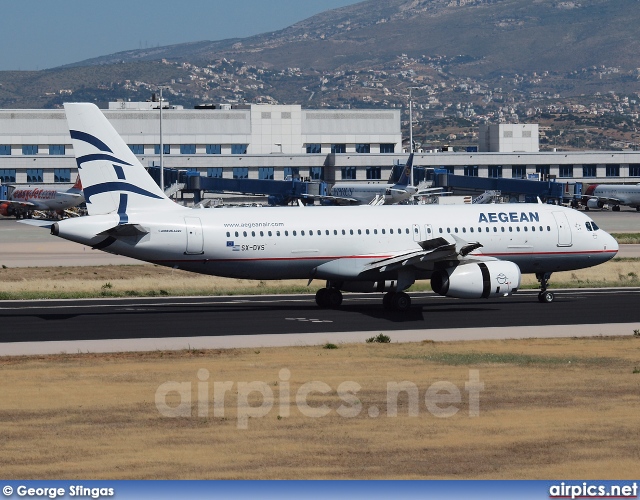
[
  {"x": 608, "y": 199},
  {"x": 14, "y": 203},
  {"x": 446, "y": 248},
  {"x": 338, "y": 199}
]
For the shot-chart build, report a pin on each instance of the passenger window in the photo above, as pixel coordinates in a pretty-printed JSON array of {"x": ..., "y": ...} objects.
[
  {"x": 229, "y": 234},
  {"x": 390, "y": 231},
  {"x": 270, "y": 233},
  {"x": 455, "y": 229},
  {"x": 277, "y": 233},
  {"x": 343, "y": 232},
  {"x": 400, "y": 231},
  {"x": 367, "y": 231},
  {"x": 244, "y": 233},
  {"x": 502, "y": 229},
  {"x": 448, "y": 230},
  {"x": 495, "y": 229},
  {"x": 375, "y": 231},
  {"x": 471, "y": 229},
  {"x": 548, "y": 228},
  {"x": 335, "y": 231},
  {"x": 440, "y": 230},
  {"x": 533, "y": 228},
  {"x": 351, "y": 232},
  {"x": 294, "y": 233},
  {"x": 327, "y": 232},
  {"x": 526, "y": 228},
  {"x": 383, "y": 231},
  {"x": 261, "y": 233},
  {"x": 286, "y": 233},
  {"x": 359, "y": 231},
  {"x": 253, "y": 233},
  {"x": 407, "y": 230},
  {"x": 237, "y": 234},
  {"x": 464, "y": 229},
  {"x": 488, "y": 229},
  {"x": 518, "y": 228},
  {"x": 510, "y": 229}
]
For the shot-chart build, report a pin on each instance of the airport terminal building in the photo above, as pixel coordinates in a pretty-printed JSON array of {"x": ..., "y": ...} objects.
[{"x": 259, "y": 141}]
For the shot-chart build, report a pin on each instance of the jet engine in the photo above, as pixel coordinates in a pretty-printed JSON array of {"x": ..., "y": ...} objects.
[
  {"x": 5, "y": 209},
  {"x": 594, "y": 203},
  {"x": 477, "y": 280}
]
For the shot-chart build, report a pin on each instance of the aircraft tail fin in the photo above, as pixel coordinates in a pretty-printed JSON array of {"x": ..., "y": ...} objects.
[
  {"x": 113, "y": 180},
  {"x": 405, "y": 177},
  {"x": 77, "y": 187}
]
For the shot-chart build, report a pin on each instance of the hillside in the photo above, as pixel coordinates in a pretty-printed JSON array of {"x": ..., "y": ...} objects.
[
  {"x": 570, "y": 65},
  {"x": 495, "y": 35}
]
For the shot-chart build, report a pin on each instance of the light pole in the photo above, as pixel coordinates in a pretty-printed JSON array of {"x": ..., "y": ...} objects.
[{"x": 161, "y": 147}]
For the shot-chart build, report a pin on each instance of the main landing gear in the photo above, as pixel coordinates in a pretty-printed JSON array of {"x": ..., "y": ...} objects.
[
  {"x": 331, "y": 298},
  {"x": 544, "y": 296},
  {"x": 396, "y": 301}
]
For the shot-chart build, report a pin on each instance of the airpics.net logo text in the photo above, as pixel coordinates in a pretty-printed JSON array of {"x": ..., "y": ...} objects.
[{"x": 257, "y": 399}]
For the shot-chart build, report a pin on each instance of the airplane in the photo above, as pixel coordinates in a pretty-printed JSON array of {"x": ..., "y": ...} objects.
[
  {"x": 616, "y": 195},
  {"x": 467, "y": 251},
  {"x": 374, "y": 193},
  {"x": 23, "y": 200}
]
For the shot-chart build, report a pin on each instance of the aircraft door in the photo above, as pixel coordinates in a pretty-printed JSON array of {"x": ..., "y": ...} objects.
[
  {"x": 417, "y": 236},
  {"x": 564, "y": 230},
  {"x": 195, "y": 240}
]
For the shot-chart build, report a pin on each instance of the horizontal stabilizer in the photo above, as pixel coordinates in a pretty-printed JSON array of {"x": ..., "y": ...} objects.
[
  {"x": 35, "y": 222},
  {"x": 124, "y": 230}
]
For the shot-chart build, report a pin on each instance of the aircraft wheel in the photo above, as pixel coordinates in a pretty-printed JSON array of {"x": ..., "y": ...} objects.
[
  {"x": 545, "y": 297},
  {"x": 387, "y": 300},
  {"x": 322, "y": 297},
  {"x": 335, "y": 298},
  {"x": 616, "y": 208},
  {"x": 401, "y": 302}
]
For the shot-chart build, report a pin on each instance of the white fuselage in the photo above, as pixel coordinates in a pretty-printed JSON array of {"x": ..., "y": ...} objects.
[
  {"x": 46, "y": 197},
  {"x": 289, "y": 242},
  {"x": 365, "y": 193},
  {"x": 626, "y": 194}
]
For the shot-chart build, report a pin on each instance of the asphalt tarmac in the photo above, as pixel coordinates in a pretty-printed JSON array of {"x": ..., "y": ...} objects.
[{"x": 109, "y": 325}]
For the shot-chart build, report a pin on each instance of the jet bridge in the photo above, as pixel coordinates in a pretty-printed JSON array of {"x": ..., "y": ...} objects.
[
  {"x": 531, "y": 190},
  {"x": 278, "y": 192}
]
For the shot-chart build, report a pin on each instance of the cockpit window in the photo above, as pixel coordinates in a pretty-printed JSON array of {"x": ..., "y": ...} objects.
[
  {"x": 594, "y": 226},
  {"x": 588, "y": 224}
]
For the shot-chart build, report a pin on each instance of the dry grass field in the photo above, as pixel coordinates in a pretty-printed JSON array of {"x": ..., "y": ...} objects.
[
  {"x": 34, "y": 282},
  {"x": 566, "y": 408}
]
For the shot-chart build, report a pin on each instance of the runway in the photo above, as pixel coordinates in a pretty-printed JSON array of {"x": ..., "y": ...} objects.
[{"x": 96, "y": 325}]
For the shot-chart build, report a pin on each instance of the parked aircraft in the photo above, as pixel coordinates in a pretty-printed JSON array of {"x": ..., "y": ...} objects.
[
  {"x": 23, "y": 200},
  {"x": 360, "y": 193},
  {"x": 597, "y": 195},
  {"x": 467, "y": 251}
]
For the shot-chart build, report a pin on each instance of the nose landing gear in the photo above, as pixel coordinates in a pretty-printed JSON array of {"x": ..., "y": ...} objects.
[{"x": 544, "y": 296}]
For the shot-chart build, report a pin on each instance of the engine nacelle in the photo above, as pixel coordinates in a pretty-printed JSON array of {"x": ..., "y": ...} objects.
[
  {"x": 594, "y": 203},
  {"x": 5, "y": 209},
  {"x": 477, "y": 280}
]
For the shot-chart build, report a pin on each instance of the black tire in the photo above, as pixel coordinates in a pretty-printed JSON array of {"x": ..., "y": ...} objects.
[
  {"x": 387, "y": 300},
  {"x": 322, "y": 298},
  {"x": 335, "y": 298},
  {"x": 545, "y": 297},
  {"x": 401, "y": 302}
]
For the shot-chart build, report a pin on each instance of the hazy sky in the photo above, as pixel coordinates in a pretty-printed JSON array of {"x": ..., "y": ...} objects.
[{"x": 40, "y": 34}]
